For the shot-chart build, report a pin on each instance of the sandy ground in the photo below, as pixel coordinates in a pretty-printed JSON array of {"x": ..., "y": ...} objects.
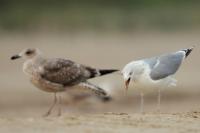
[
  {"x": 178, "y": 115},
  {"x": 22, "y": 105},
  {"x": 106, "y": 123}
]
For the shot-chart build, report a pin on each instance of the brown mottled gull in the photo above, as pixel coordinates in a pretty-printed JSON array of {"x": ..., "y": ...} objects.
[{"x": 58, "y": 75}]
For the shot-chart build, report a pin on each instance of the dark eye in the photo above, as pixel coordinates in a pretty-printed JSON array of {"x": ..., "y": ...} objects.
[
  {"x": 130, "y": 73},
  {"x": 29, "y": 52}
]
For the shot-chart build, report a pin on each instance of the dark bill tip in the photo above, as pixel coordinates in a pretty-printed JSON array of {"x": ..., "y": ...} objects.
[{"x": 15, "y": 57}]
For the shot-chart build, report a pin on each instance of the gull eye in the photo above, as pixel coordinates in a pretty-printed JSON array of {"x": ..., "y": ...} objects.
[
  {"x": 29, "y": 52},
  {"x": 130, "y": 73}
]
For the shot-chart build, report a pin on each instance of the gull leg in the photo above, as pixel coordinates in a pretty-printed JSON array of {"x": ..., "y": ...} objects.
[
  {"x": 52, "y": 106},
  {"x": 60, "y": 105},
  {"x": 142, "y": 102},
  {"x": 159, "y": 97}
]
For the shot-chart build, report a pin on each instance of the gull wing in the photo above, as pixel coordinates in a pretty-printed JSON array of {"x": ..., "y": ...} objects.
[
  {"x": 65, "y": 72},
  {"x": 165, "y": 65}
]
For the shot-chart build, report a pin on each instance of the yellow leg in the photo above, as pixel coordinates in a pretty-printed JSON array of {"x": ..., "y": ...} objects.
[
  {"x": 159, "y": 99},
  {"x": 142, "y": 102}
]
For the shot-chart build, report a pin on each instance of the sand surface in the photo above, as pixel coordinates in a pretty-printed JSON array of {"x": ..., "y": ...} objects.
[
  {"x": 176, "y": 116},
  {"x": 106, "y": 123}
]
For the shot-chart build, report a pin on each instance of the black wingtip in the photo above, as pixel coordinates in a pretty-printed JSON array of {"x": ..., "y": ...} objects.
[
  {"x": 188, "y": 51},
  {"x": 99, "y": 72},
  {"x": 107, "y": 99},
  {"x": 107, "y": 71}
]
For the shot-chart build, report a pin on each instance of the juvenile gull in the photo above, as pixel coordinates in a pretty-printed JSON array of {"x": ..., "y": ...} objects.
[
  {"x": 58, "y": 75},
  {"x": 155, "y": 72}
]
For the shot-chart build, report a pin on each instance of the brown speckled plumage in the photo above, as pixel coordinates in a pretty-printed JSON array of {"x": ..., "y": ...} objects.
[{"x": 57, "y": 75}]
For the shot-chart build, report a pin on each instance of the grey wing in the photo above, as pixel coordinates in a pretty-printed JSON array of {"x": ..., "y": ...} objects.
[
  {"x": 63, "y": 72},
  {"x": 165, "y": 65}
]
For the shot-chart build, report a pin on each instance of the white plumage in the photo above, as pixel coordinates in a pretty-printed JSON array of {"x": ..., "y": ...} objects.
[{"x": 156, "y": 72}]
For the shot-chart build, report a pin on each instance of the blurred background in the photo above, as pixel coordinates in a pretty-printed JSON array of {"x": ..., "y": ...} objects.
[{"x": 102, "y": 34}]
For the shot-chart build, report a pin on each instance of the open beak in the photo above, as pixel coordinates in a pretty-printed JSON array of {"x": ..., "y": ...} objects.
[
  {"x": 15, "y": 57},
  {"x": 127, "y": 83}
]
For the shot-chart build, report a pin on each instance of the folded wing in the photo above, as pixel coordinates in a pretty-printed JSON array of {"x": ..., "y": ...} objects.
[
  {"x": 64, "y": 72},
  {"x": 166, "y": 65}
]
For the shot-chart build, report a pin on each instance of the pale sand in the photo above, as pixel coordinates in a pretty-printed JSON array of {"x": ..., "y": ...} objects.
[{"x": 106, "y": 123}]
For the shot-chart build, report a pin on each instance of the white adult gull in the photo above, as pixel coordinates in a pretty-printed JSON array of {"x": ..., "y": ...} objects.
[
  {"x": 58, "y": 75},
  {"x": 156, "y": 72}
]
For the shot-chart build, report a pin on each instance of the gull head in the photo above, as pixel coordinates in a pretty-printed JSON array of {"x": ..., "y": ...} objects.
[
  {"x": 127, "y": 75},
  {"x": 132, "y": 72},
  {"x": 27, "y": 54}
]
